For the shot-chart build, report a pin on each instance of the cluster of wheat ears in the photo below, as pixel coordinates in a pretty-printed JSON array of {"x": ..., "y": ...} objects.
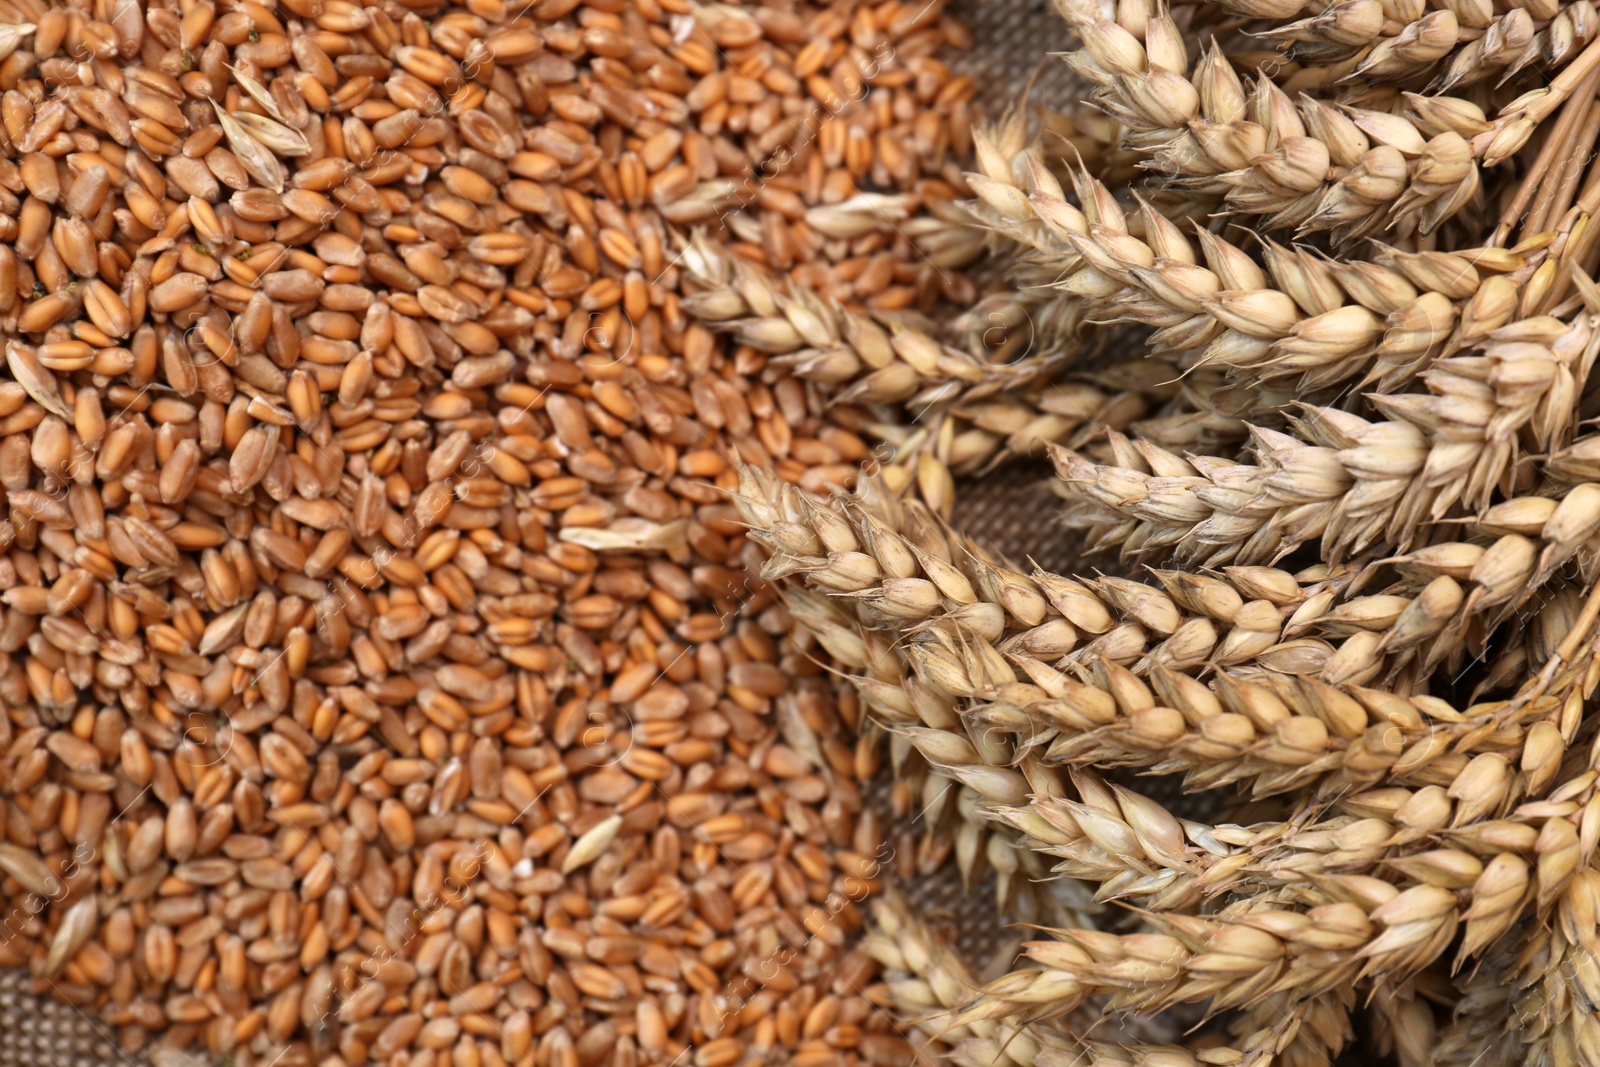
[{"x": 1312, "y": 328}]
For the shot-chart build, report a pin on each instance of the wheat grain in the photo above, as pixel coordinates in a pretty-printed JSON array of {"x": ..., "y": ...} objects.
[{"x": 376, "y": 689}]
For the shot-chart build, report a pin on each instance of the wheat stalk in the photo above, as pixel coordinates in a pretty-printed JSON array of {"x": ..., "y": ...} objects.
[
  {"x": 1458, "y": 595},
  {"x": 1356, "y": 927},
  {"x": 904, "y": 566}
]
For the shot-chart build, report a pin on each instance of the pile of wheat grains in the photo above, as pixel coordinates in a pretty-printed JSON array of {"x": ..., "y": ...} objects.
[{"x": 383, "y": 679}]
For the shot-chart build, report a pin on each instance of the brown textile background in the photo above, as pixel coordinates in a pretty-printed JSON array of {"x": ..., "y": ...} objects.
[
  {"x": 1011, "y": 42},
  {"x": 1012, "y": 511},
  {"x": 43, "y": 1032}
]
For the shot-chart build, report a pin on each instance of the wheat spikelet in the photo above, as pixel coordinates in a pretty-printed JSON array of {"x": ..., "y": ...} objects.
[
  {"x": 1547, "y": 985},
  {"x": 925, "y": 980},
  {"x": 1234, "y": 958},
  {"x": 1479, "y": 887}
]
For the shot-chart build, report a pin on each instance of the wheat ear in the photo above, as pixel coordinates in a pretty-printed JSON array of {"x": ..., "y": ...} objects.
[
  {"x": 1310, "y": 322},
  {"x": 1356, "y": 483},
  {"x": 875, "y": 361},
  {"x": 965, "y": 410},
  {"x": 1135, "y": 849},
  {"x": 1470, "y": 43},
  {"x": 1235, "y": 958},
  {"x": 925, "y": 983}
]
